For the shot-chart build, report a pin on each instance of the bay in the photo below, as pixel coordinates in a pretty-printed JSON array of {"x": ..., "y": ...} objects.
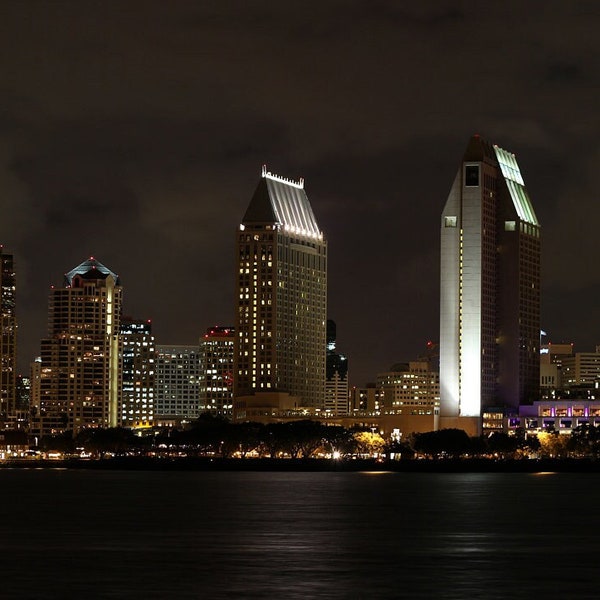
[{"x": 139, "y": 534}]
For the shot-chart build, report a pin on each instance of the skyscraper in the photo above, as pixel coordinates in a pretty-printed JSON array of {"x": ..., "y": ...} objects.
[
  {"x": 178, "y": 379},
  {"x": 490, "y": 287},
  {"x": 216, "y": 352},
  {"x": 80, "y": 381},
  {"x": 139, "y": 373},
  {"x": 8, "y": 339},
  {"x": 281, "y": 295}
]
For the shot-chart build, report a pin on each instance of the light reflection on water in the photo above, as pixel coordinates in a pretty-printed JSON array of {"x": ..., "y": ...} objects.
[{"x": 74, "y": 534}]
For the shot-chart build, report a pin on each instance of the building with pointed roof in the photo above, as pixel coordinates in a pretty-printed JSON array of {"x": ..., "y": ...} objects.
[
  {"x": 490, "y": 288},
  {"x": 281, "y": 295},
  {"x": 81, "y": 363}
]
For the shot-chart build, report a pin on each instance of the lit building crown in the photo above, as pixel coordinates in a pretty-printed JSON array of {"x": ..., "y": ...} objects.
[
  {"x": 516, "y": 185},
  {"x": 283, "y": 202},
  {"x": 90, "y": 269}
]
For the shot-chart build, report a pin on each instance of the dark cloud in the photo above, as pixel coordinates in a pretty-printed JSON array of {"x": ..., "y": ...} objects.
[
  {"x": 136, "y": 131},
  {"x": 564, "y": 72}
]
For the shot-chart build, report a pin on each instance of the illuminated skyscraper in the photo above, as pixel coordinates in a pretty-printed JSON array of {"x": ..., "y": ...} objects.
[
  {"x": 216, "y": 352},
  {"x": 80, "y": 379},
  {"x": 8, "y": 340},
  {"x": 281, "y": 295},
  {"x": 490, "y": 287},
  {"x": 178, "y": 378},
  {"x": 139, "y": 373}
]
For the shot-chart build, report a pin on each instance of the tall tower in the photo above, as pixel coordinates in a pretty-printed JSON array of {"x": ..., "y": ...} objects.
[
  {"x": 80, "y": 384},
  {"x": 139, "y": 373},
  {"x": 490, "y": 287},
  {"x": 281, "y": 295},
  {"x": 216, "y": 351},
  {"x": 178, "y": 381},
  {"x": 8, "y": 339}
]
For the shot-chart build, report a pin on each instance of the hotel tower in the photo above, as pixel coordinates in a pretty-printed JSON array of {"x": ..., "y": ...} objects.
[
  {"x": 80, "y": 380},
  {"x": 281, "y": 292},
  {"x": 490, "y": 289}
]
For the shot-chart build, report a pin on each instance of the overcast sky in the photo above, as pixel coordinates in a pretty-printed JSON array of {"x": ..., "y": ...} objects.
[{"x": 135, "y": 132}]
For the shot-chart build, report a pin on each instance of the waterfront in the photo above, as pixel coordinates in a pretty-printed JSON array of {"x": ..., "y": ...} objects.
[{"x": 132, "y": 534}]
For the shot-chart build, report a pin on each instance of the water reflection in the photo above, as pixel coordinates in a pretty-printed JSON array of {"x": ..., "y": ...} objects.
[{"x": 297, "y": 535}]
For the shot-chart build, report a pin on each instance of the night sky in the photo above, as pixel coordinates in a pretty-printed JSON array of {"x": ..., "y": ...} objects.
[{"x": 135, "y": 132}]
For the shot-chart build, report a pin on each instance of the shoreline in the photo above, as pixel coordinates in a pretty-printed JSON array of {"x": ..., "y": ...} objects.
[{"x": 474, "y": 465}]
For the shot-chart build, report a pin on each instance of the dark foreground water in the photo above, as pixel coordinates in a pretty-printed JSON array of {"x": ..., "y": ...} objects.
[{"x": 116, "y": 534}]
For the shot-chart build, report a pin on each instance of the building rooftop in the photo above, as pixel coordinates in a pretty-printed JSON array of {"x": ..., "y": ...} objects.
[
  {"x": 90, "y": 269},
  {"x": 479, "y": 149},
  {"x": 282, "y": 202}
]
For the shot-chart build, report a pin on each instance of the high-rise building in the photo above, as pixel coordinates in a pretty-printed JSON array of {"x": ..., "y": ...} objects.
[
  {"x": 281, "y": 295},
  {"x": 139, "y": 365},
  {"x": 411, "y": 388},
  {"x": 80, "y": 379},
  {"x": 8, "y": 340},
  {"x": 490, "y": 287},
  {"x": 216, "y": 354},
  {"x": 336, "y": 375},
  {"x": 178, "y": 377},
  {"x": 581, "y": 371}
]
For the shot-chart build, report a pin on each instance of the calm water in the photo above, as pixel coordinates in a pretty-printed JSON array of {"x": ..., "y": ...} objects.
[{"x": 88, "y": 534}]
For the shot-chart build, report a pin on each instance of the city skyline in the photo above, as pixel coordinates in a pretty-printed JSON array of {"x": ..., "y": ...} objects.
[{"x": 137, "y": 140}]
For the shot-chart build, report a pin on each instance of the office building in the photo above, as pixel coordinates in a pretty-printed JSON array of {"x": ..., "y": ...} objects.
[
  {"x": 178, "y": 380},
  {"x": 411, "y": 388},
  {"x": 281, "y": 296},
  {"x": 139, "y": 375},
  {"x": 80, "y": 371},
  {"x": 8, "y": 340},
  {"x": 581, "y": 373},
  {"x": 551, "y": 368},
  {"x": 490, "y": 289},
  {"x": 216, "y": 354}
]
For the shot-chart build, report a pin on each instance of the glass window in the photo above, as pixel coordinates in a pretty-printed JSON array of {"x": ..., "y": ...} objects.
[{"x": 471, "y": 175}]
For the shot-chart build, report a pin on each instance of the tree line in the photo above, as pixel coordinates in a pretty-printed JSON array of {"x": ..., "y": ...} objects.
[{"x": 216, "y": 436}]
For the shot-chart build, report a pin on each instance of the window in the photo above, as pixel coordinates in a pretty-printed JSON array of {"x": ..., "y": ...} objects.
[
  {"x": 471, "y": 175},
  {"x": 510, "y": 226},
  {"x": 450, "y": 221}
]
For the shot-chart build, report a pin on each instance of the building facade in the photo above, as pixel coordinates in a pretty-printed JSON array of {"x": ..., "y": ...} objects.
[
  {"x": 216, "y": 355},
  {"x": 411, "y": 388},
  {"x": 281, "y": 295},
  {"x": 178, "y": 380},
  {"x": 551, "y": 368},
  {"x": 139, "y": 373},
  {"x": 8, "y": 340},
  {"x": 490, "y": 287},
  {"x": 368, "y": 399},
  {"x": 80, "y": 370},
  {"x": 581, "y": 372}
]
